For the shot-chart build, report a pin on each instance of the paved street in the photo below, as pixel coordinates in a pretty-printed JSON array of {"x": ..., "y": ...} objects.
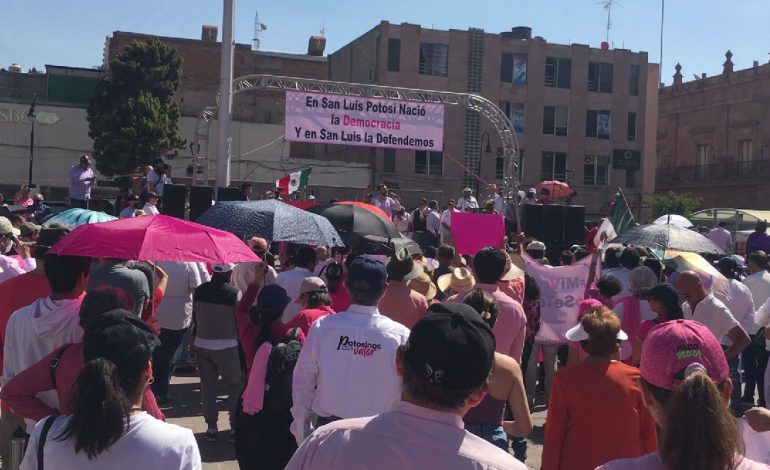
[{"x": 221, "y": 455}]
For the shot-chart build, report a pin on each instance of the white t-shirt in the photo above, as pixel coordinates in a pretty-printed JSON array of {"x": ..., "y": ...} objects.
[
  {"x": 149, "y": 444},
  {"x": 715, "y": 315},
  {"x": 156, "y": 182},
  {"x": 741, "y": 305},
  {"x": 759, "y": 285},
  {"x": 150, "y": 209},
  {"x": 175, "y": 310},
  {"x": 402, "y": 224}
]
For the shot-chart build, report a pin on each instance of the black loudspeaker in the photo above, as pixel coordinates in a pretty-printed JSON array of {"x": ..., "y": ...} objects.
[
  {"x": 228, "y": 194},
  {"x": 201, "y": 198},
  {"x": 174, "y": 200},
  {"x": 532, "y": 220},
  {"x": 554, "y": 224},
  {"x": 575, "y": 221}
]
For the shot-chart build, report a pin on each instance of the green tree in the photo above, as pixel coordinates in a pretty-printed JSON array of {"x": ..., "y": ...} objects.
[
  {"x": 672, "y": 203},
  {"x": 132, "y": 116}
]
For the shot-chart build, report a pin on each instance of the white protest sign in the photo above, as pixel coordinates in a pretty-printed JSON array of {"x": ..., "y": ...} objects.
[
  {"x": 561, "y": 290},
  {"x": 367, "y": 122}
]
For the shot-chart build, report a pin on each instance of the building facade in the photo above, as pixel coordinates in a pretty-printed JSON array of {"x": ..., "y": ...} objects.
[
  {"x": 714, "y": 137},
  {"x": 582, "y": 115}
]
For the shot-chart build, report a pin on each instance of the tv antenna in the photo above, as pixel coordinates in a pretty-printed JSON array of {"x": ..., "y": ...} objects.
[
  {"x": 607, "y": 5},
  {"x": 258, "y": 28}
]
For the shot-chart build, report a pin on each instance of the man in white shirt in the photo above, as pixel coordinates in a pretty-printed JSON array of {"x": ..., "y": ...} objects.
[
  {"x": 466, "y": 202},
  {"x": 305, "y": 260},
  {"x": 629, "y": 260},
  {"x": 9, "y": 267},
  {"x": 151, "y": 206},
  {"x": 175, "y": 317},
  {"x": 446, "y": 223},
  {"x": 387, "y": 201},
  {"x": 158, "y": 178},
  {"x": 81, "y": 178},
  {"x": 721, "y": 237},
  {"x": 347, "y": 366},
  {"x": 754, "y": 358},
  {"x": 497, "y": 199},
  {"x": 702, "y": 306},
  {"x": 49, "y": 322}
]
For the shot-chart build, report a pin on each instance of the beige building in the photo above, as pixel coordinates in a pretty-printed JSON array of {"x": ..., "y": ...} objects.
[
  {"x": 583, "y": 115},
  {"x": 714, "y": 137}
]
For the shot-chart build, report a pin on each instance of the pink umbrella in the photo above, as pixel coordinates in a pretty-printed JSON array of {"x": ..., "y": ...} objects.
[{"x": 156, "y": 238}]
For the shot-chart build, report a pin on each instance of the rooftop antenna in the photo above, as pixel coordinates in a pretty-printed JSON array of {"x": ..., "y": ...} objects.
[
  {"x": 258, "y": 28},
  {"x": 607, "y": 4}
]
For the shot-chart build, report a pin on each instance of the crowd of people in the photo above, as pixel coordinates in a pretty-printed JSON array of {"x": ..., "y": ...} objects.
[{"x": 332, "y": 358}]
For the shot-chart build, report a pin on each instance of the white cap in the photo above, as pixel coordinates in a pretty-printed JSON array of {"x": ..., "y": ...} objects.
[
  {"x": 536, "y": 245},
  {"x": 577, "y": 333},
  {"x": 222, "y": 268}
]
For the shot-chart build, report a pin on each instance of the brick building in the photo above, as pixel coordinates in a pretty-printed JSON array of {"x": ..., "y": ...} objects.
[
  {"x": 714, "y": 137},
  {"x": 582, "y": 115}
]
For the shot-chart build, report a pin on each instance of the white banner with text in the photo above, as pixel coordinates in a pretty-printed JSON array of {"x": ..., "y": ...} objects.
[{"x": 366, "y": 122}]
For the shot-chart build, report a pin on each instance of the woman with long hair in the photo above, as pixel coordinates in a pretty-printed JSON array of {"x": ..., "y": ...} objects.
[
  {"x": 107, "y": 427},
  {"x": 685, "y": 383},
  {"x": 59, "y": 370},
  {"x": 596, "y": 413},
  {"x": 506, "y": 384},
  {"x": 664, "y": 301},
  {"x": 335, "y": 282}
]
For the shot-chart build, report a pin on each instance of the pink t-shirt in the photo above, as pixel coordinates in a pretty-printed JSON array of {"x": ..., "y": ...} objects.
[
  {"x": 652, "y": 462},
  {"x": 647, "y": 325}
]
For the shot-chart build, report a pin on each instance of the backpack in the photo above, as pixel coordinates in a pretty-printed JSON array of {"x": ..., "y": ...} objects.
[{"x": 280, "y": 369}]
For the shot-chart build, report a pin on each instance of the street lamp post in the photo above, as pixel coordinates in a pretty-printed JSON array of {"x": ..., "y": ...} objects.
[{"x": 32, "y": 118}]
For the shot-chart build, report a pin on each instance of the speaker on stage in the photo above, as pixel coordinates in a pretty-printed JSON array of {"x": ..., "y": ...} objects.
[
  {"x": 532, "y": 220},
  {"x": 174, "y": 200},
  {"x": 228, "y": 194},
  {"x": 575, "y": 221},
  {"x": 201, "y": 198}
]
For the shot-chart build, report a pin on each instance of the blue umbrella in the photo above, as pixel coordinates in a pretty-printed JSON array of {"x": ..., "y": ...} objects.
[
  {"x": 272, "y": 220},
  {"x": 75, "y": 217}
]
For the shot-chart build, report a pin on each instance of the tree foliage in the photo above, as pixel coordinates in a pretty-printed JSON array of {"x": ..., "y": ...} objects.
[
  {"x": 132, "y": 117},
  {"x": 672, "y": 203}
]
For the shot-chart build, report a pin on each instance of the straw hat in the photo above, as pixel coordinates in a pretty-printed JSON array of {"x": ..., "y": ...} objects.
[
  {"x": 423, "y": 285},
  {"x": 514, "y": 272},
  {"x": 459, "y": 280}
]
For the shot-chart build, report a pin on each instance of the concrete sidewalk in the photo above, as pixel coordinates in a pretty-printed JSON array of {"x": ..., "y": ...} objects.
[{"x": 185, "y": 410}]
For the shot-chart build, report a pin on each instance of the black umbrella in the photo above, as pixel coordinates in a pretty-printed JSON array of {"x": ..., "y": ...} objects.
[
  {"x": 667, "y": 237},
  {"x": 272, "y": 220},
  {"x": 366, "y": 232}
]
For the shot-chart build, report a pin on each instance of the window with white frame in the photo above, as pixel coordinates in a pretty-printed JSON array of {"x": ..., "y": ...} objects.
[
  {"x": 596, "y": 170},
  {"x": 555, "y": 120}
]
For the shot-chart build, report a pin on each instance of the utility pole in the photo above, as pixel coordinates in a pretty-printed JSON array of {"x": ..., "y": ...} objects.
[
  {"x": 225, "y": 97},
  {"x": 32, "y": 118}
]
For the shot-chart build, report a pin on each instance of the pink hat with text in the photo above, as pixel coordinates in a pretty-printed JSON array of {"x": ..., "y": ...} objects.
[{"x": 671, "y": 350}]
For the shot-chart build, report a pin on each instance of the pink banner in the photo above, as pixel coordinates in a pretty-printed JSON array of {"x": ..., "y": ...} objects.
[
  {"x": 366, "y": 122},
  {"x": 473, "y": 232}
]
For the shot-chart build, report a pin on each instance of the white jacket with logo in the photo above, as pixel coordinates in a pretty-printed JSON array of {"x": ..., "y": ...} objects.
[{"x": 347, "y": 367}]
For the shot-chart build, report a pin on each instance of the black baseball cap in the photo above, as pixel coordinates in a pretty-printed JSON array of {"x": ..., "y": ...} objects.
[
  {"x": 121, "y": 337},
  {"x": 663, "y": 292},
  {"x": 451, "y": 347}
]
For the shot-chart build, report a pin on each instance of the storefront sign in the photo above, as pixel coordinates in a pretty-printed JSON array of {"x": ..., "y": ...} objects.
[
  {"x": 626, "y": 159},
  {"x": 367, "y": 122}
]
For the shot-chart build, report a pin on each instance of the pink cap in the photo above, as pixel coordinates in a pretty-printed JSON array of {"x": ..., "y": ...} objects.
[
  {"x": 672, "y": 346},
  {"x": 587, "y": 305}
]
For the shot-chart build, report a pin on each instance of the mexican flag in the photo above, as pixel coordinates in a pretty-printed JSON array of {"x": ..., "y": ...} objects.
[
  {"x": 294, "y": 181},
  {"x": 618, "y": 221}
]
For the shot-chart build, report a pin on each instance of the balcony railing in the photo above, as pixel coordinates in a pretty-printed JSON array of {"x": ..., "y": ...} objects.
[{"x": 727, "y": 172}]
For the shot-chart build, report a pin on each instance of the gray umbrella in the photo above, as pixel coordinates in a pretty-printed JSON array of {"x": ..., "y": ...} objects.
[
  {"x": 272, "y": 220},
  {"x": 667, "y": 237}
]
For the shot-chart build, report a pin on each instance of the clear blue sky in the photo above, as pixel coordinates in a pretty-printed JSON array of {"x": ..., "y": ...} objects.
[{"x": 697, "y": 32}]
